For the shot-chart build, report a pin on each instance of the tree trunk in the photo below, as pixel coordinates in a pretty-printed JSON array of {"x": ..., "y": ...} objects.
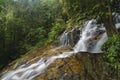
[
  {"x": 107, "y": 19},
  {"x": 110, "y": 26}
]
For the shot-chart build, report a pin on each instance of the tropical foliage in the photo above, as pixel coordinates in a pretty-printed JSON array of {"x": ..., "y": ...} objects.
[{"x": 25, "y": 25}]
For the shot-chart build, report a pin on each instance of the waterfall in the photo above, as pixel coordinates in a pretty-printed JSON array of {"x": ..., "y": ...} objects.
[
  {"x": 116, "y": 18},
  {"x": 64, "y": 39},
  {"x": 91, "y": 38},
  {"x": 89, "y": 41},
  {"x": 29, "y": 72},
  {"x": 96, "y": 48}
]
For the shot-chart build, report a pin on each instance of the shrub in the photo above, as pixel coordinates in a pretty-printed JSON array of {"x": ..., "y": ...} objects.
[
  {"x": 112, "y": 48},
  {"x": 57, "y": 29}
]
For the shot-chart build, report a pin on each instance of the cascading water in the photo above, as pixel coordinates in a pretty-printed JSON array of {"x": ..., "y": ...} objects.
[
  {"x": 29, "y": 72},
  {"x": 64, "y": 39},
  {"x": 91, "y": 39},
  {"x": 88, "y": 41},
  {"x": 117, "y": 20},
  {"x": 116, "y": 17}
]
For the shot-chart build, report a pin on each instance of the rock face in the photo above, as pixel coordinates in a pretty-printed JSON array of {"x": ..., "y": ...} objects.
[
  {"x": 70, "y": 36},
  {"x": 62, "y": 69},
  {"x": 80, "y": 66}
]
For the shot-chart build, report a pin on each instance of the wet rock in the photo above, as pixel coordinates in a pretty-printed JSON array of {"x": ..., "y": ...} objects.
[
  {"x": 19, "y": 64},
  {"x": 70, "y": 36},
  {"x": 62, "y": 69}
]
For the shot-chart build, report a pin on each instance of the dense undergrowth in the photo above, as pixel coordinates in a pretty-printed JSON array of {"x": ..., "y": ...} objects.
[
  {"x": 112, "y": 49},
  {"x": 112, "y": 53},
  {"x": 26, "y": 25}
]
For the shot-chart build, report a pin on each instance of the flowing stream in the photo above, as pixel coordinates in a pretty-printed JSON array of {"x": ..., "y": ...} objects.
[{"x": 91, "y": 37}]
